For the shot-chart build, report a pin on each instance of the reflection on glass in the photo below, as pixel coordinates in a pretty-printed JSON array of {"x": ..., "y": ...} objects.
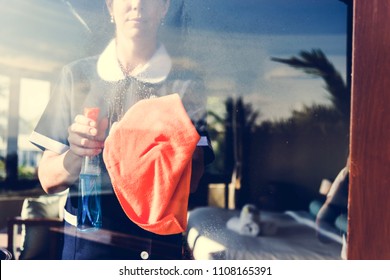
[
  {"x": 274, "y": 73},
  {"x": 34, "y": 95},
  {"x": 277, "y": 127},
  {"x": 4, "y": 101}
]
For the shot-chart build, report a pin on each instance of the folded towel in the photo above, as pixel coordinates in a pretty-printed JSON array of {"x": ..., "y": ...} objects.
[
  {"x": 250, "y": 228},
  {"x": 148, "y": 157},
  {"x": 248, "y": 223}
]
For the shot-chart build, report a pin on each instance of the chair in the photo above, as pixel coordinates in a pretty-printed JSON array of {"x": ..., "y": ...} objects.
[
  {"x": 41, "y": 246},
  {"x": 5, "y": 254}
]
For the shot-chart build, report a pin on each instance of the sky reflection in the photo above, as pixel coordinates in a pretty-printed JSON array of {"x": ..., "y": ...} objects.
[{"x": 232, "y": 41}]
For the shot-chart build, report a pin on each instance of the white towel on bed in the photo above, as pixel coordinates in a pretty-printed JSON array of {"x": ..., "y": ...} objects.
[{"x": 248, "y": 223}]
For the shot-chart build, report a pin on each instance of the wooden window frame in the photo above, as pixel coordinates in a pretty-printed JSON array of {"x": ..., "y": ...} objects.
[{"x": 369, "y": 189}]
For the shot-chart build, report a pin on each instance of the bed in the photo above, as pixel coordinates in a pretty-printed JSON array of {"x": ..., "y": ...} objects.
[{"x": 289, "y": 235}]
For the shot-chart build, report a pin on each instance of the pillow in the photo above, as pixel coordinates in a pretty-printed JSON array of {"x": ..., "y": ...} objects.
[
  {"x": 341, "y": 223},
  {"x": 315, "y": 206}
]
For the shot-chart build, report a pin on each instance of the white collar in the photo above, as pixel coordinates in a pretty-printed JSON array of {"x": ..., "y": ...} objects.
[{"x": 154, "y": 71}]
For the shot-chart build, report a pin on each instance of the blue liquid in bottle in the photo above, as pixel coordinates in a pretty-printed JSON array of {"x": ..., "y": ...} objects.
[{"x": 89, "y": 216}]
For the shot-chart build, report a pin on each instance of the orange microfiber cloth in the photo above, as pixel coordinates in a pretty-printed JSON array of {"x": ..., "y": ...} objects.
[{"x": 148, "y": 157}]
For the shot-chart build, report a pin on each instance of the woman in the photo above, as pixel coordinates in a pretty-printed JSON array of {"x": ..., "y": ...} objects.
[{"x": 134, "y": 66}]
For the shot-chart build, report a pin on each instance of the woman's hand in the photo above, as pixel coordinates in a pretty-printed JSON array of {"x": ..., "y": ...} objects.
[
  {"x": 57, "y": 172},
  {"x": 86, "y": 136}
]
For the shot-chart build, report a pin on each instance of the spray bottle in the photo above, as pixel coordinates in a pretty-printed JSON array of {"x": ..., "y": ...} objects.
[{"x": 89, "y": 216}]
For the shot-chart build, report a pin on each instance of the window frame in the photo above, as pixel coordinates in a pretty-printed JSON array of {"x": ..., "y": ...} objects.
[
  {"x": 12, "y": 182},
  {"x": 369, "y": 210}
]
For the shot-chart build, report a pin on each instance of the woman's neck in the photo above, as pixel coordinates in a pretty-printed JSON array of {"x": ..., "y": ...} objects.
[{"x": 132, "y": 54}]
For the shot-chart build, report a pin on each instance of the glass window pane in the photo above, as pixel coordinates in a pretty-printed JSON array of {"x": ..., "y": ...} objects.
[
  {"x": 4, "y": 100},
  {"x": 34, "y": 96},
  {"x": 291, "y": 121},
  {"x": 274, "y": 73}
]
